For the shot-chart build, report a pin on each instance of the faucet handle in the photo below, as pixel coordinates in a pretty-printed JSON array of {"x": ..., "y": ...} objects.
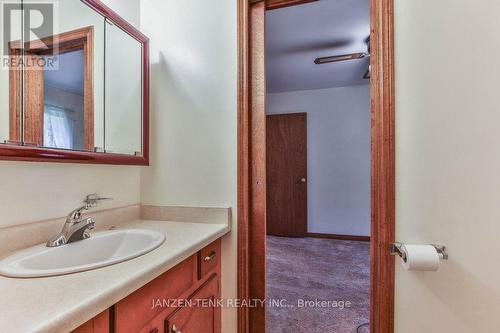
[{"x": 93, "y": 199}]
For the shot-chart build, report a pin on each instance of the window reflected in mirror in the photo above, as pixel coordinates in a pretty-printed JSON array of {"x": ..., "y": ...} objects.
[{"x": 64, "y": 104}]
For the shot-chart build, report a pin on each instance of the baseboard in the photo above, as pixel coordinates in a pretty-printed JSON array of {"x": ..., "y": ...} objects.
[{"x": 340, "y": 237}]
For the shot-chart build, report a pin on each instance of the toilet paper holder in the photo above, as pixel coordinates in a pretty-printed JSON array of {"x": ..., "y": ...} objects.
[{"x": 395, "y": 249}]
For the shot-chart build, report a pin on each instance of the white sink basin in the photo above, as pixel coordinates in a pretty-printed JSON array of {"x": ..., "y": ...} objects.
[{"x": 101, "y": 249}]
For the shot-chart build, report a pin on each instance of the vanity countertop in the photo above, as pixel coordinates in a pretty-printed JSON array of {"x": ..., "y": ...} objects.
[{"x": 62, "y": 303}]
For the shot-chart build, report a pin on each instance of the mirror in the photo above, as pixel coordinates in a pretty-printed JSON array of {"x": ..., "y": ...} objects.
[
  {"x": 9, "y": 67},
  {"x": 67, "y": 108},
  {"x": 77, "y": 85},
  {"x": 123, "y": 92}
]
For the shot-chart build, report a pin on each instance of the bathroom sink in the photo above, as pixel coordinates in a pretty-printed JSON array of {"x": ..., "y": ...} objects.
[{"x": 101, "y": 249}]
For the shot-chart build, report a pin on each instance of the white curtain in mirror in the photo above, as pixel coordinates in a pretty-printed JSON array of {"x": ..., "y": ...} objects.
[{"x": 58, "y": 128}]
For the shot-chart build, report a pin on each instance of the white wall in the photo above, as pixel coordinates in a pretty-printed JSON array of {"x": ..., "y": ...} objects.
[
  {"x": 338, "y": 162},
  {"x": 193, "y": 113},
  {"x": 448, "y": 162},
  {"x": 128, "y": 9},
  {"x": 36, "y": 191}
]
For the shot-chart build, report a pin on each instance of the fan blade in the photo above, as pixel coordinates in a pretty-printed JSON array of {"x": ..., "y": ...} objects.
[{"x": 344, "y": 57}]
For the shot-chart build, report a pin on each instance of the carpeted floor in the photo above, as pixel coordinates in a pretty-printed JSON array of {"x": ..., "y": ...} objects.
[{"x": 317, "y": 269}]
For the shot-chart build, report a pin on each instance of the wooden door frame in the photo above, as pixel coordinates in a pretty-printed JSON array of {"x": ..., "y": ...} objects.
[
  {"x": 79, "y": 39},
  {"x": 251, "y": 178}
]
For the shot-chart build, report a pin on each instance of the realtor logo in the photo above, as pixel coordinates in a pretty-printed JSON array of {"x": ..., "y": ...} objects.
[{"x": 27, "y": 26}]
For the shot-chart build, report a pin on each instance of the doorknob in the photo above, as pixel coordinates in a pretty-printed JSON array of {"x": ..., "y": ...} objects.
[{"x": 302, "y": 180}]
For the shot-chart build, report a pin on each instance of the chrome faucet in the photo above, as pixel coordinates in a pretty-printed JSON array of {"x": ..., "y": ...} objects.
[{"x": 76, "y": 228}]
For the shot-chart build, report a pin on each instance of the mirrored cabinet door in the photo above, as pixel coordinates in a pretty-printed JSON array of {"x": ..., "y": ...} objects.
[
  {"x": 123, "y": 117},
  {"x": 77, "y": 81},
  {"x": 10, "y": 74},
  {"x": 63, "y": 83}
]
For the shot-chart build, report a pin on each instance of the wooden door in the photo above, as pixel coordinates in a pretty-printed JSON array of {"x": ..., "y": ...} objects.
[
  {"x": 287, "y": 175},
  {"x": 201, "y": 315}
]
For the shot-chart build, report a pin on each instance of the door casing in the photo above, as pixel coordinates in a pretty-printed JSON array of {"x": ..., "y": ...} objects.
[{"x": 251, "y": 164}]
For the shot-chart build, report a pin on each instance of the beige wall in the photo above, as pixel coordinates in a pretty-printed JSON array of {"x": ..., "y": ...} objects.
[
  {"x": 193, "y": 151},
  {"x": 36, "y": 191},
  {"x": 338, "y": 138},
  {"x": 448, "y": 162}
]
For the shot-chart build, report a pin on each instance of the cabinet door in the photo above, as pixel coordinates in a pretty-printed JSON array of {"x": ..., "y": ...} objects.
[
  {"x": 135, "y": 310},
  {"x": 99, "y": 324},
  {"x": 201, "y": 316},
  {"x": 156, "y": 325}
]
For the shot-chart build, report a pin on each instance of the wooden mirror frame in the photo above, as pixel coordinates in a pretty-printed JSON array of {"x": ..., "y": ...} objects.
[{"x": 18, "y": 152}]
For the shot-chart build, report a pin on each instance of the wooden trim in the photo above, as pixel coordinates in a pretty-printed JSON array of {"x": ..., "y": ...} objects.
[
  {"x": 243, "y": 165},
  {"x": 31, "y": 154},
  {"x": 88, "y": 91},
  {"x": 251, "y": 175},
  {"x": 382, "y": 166},
  {"x": 275, "y": 4},
  {"x": 34, "y": 154},
  {"x": 383, "y": 170},
  {"x": 257, "y": 117},
  {"x": 15, "y": 97},
  {"x": 339, "y": 237},
  {"x": 66, "y": 42}
]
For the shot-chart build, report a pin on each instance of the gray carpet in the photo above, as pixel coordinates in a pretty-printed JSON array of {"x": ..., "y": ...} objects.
[{"x": 317, "y": 269}]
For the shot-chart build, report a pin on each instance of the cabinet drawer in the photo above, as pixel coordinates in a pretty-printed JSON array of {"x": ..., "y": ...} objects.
[
  {"x": 208, "y": 259},
  {"x": 136, "y": 310},
  {"x": 201, "y": 316}
]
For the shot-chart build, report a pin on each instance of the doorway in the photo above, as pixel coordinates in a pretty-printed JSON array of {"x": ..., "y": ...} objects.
[{"x": 252, "y": 166}]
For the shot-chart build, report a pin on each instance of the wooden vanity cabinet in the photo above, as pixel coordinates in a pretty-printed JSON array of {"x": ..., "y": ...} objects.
[
  {"x": 202, "y": 314},
  {"x": 185, "y": 299},
  {"x": 100, "y": 324}
]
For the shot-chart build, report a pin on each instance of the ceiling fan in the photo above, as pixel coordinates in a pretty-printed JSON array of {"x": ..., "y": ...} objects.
[{"x": 344, "y": 57}]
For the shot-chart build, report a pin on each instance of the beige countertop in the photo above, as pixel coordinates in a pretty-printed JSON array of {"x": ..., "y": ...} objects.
[{"x": 62, "y": 303}]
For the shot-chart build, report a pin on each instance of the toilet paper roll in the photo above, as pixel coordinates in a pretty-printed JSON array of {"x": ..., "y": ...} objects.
[{"x": 421, "y": 258}]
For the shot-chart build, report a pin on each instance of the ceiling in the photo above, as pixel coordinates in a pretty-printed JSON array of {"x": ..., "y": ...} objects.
[
  {"x": 297, "y": 35},
  {"x": 68, "y": 75}
]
